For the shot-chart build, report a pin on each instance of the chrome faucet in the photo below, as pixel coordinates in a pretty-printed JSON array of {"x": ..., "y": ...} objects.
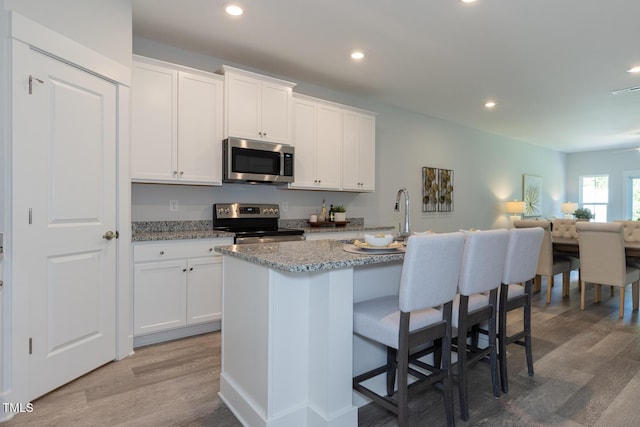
[{"x": 406, "y": 229}]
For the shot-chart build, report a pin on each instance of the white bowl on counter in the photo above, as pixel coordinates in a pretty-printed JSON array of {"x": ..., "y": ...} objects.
[{"x": 378, "y": 240}]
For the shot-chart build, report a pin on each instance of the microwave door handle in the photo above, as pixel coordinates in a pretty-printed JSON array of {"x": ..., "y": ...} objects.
[{"x": 281, "y": 163}]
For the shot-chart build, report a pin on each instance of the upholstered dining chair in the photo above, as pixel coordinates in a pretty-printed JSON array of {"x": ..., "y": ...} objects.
[
  {"x": 418, "y": 316},
  {"x": 515, "y": 292},
  {"x": 603, "y": 261},
  {"x": 549, "y": 265},
  {"x": 476, "y": 303},
  {"x": 564, "y": 230}
]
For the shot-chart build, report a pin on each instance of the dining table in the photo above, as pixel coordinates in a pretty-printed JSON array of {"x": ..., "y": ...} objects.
[{"x": 572, "y": 247}]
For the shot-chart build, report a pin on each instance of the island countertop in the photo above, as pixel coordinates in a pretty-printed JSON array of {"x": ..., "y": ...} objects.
[{"x": 307, "y": 255}]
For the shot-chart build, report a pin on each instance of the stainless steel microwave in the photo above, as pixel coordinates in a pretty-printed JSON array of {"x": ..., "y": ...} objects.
[{"x": 251, "y": 161}]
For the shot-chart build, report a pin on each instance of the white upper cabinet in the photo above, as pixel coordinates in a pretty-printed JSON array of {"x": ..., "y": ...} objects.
[
  {"x": 317, "y": 136},
  {"x": 154, "y": 122},
  {"x": 257, "y": 107},
  {"x": 335, "y": 146},
  {"x": 176, "y": 124},
  {"x": 359, "y": 152}
]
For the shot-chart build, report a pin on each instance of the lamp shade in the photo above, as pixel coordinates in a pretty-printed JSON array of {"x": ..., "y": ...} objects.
[
  {"x": 515, "y": 207},
  {"x": 568, "y": 207}
]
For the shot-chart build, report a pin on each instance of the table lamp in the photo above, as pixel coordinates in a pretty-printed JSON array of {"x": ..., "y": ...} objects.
[
  {"x": 568, "y": 209},
  {"x": 515, "y": 209}
]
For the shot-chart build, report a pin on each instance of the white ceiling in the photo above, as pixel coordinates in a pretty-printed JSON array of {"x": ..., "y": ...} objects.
[{"x": 551, "y": 65}]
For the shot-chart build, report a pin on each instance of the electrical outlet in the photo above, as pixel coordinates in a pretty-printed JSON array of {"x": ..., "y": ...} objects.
[
  {"x": 284, "y": 206},
  {"x": 173, "y": 205}
]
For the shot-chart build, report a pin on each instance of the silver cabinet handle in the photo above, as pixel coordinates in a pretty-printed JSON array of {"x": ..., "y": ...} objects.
[{"x": 110, "y": 235}]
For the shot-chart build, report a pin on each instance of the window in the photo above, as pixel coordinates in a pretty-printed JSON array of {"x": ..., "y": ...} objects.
[
  {"x": 631, "y": 194},
  {"x": 594, "y": 194}
]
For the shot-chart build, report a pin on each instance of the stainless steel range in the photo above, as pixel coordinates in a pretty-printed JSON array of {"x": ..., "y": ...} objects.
[{"x": 252, "y": 223}]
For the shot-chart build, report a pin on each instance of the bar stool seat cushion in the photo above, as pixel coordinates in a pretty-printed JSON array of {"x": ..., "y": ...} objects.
[
  {"x": 476, "y": 301},
  {"x": 378, "y": 319}
]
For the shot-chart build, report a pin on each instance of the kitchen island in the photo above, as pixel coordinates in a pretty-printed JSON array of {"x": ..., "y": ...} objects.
[{"x": 287, "y": 332}]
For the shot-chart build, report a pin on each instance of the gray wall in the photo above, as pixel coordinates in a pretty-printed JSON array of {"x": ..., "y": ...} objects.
[
  {"x": 488, "y": 168},
  {"x": 103, "y": 26},
  {"x": 610, "y": 162}
]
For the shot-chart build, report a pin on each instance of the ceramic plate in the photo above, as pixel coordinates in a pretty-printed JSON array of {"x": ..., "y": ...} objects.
[{"x": 367, "y": 247}]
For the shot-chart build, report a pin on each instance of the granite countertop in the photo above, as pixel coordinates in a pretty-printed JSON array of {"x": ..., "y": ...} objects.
[
  {"x": 355, "y": 224},
  {"x": 143, "y": 231},
  {"x": 178, "y": 235},
  {"x": 348, "y": 227},
  {"x": 307, "y": 255}
]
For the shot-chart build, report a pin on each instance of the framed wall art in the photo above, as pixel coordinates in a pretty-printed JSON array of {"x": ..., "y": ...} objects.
[
  {"x": 437, "y": 190},
  {"x": 445, "y": 196},
  {"x": 429, "y": 189},
  {"x": 532, "y": 195}
]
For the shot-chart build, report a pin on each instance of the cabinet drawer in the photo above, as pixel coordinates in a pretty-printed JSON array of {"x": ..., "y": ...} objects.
[{"x": 165, "y": 250}]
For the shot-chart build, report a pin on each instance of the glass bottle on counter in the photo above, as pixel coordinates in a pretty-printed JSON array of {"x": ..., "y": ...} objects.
[
  {"x": 331, "y": 214},
  {"x": 323, "y": 212}
]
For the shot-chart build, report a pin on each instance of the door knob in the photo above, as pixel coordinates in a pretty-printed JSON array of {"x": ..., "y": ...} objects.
[{"x": 111, "y": 235}]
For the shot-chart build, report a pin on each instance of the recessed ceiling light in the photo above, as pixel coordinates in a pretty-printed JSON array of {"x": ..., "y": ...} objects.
[
  {"x": 233, "y": 9},
  {"x": 634, "y": 70},
  {"x": 489, "y": 104},
  {"x": 468, "y": 1},
  {"x": 357, "y": 55}
]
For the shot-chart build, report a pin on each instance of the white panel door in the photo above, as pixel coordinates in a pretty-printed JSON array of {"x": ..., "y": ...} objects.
[{"x": 65, "y": 177}]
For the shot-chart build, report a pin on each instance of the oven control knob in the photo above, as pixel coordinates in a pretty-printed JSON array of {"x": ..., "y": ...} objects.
[
  {"x": 275, "y": 211},
  {"x": 227, "y": 211}
]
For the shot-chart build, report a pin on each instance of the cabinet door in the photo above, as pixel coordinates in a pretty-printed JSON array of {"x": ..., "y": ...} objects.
[
  {"x": 204, "y": 289},
  {"x": 243, "y": 106},
  {"x": 159, "y": 300},
  {"x": 304, "y": 138},
  {"x": 358, "y": 173},
  {"x": 350, "y": 152},
  {"x": 329, "y": 146},
  {"x": 154, "y": 92},
  {"x": 367, "y": 152},
  {"x": 199, "y": 129},
  {"x": 276, "y": 113}
]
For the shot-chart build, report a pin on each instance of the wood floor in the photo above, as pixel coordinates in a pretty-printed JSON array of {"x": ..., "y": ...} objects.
[{"x": 587, "y": 374}]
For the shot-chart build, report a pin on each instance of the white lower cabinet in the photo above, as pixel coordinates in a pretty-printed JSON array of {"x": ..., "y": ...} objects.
[
  {"x": 159, "y": 297},
  {"x": 176, "y": 284},
  {"x": 204, "y": 296}
]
